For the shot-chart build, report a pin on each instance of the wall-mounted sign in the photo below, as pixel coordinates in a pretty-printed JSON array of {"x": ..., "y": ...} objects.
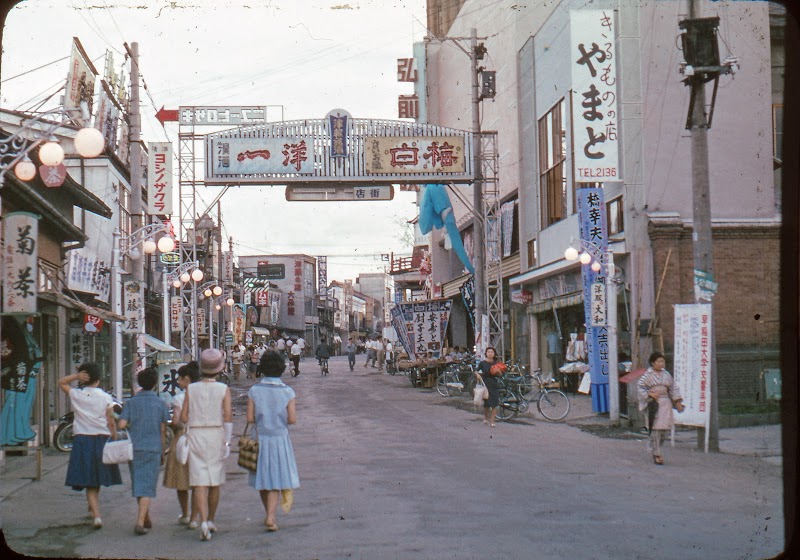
[
  {"x": 133, "y": 307},
  {"x": 234, "y": 115},
  {"x": 259, "y": 156},
  {"x": 594, "y": 107},
  {"x": 20, "y": 260},
  {"x": 175, "y": 314},
  {"x": 80, "y": 82},
  {"x": 406, "y": 70},
  {"x": 170, "y": 258},
  {"x": 227, "y": 266},
  {"x": 410, "y": 154},
  {"x": 159, "y": 178}
]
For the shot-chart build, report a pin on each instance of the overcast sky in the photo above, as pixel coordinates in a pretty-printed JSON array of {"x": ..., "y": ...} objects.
[{"x": 301, "y": 58}]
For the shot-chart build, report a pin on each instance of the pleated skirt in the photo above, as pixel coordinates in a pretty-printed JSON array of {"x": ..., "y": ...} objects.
[
  {"x": 277, "y": 469},
  {"x": 86, "y": 468},
  {"x": 175, "y": 475}
]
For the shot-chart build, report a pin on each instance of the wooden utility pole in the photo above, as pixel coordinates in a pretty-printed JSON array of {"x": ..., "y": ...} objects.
[
  {"x": 702, "y": 245},
  {"x": 478, "y": 244},
  {"x": 136, "y": 156}
]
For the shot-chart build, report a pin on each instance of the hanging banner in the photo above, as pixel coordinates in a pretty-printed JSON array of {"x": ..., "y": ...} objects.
[
  {"x": 20, "y": 259},
  {"x": 159, "y": 178},
  {"x": 80, "y": 83},
  {"x": 92, "y": 324},
  {"x": 322, "y": 277},
  {"x": 594, "y": 102},
  {"x": 238, "y": 324},
  {"x": 201, "y": 320},
  {"x": 20, "y": 367},
  {"x": 80, "y": 350},
  {"x": 227, "y": 266},
  {"x": 133, "y": 307},
  {"x": 467, "y": 290},
  {"x": 692, "y": 357},
  {"x": 507, "y": 219},
  {"x": 421, "y": 327},
  {"x": 592, "y": 224}
]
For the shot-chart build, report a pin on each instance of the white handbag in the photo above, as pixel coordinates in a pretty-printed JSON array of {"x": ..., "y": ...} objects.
[
  {"x": 118, "y": 451},
  {"x": 182, "y": 448}
]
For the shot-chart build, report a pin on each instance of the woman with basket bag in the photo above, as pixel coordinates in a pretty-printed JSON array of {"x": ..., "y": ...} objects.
[
  {"x": 176, "y": 475},
  {"x": 271, "y": 406},
  {"x": 94, "y": 424}
]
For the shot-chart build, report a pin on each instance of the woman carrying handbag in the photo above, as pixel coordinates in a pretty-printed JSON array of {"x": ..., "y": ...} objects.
[
  {"x": 176, "y": 475},
  {"x": 271, "y": 406},
  {"x": 94, "y": 424}
]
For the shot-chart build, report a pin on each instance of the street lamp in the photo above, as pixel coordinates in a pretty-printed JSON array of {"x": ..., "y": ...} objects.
[
  {"x": 126, "y": 246},
  {"x": 597, "y": 259},
  {"x": 176, "y": 278}
]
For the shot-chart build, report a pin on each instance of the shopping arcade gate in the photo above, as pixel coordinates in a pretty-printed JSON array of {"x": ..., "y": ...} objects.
[{"x": 317, "y": 154}]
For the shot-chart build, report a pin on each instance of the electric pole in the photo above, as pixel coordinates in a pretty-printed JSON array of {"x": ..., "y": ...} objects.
[
  {"x": 135, "y": 156},
  {"x": 477, "y": 194},
  {"x": 702, "y": 246}
]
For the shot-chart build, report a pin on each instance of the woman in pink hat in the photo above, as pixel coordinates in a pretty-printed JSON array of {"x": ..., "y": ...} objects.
[{"x": 207, "y": 413}]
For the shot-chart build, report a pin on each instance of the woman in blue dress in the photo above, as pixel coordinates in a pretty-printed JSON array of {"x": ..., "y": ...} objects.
[{"x": 271, "y": 407}]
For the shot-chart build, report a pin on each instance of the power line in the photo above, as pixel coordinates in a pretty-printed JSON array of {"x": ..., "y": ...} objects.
[{"x": 34, "y": 70}]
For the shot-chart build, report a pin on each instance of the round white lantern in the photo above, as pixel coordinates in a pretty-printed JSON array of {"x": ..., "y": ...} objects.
[
  {"x": 51, "y": 153},
  {"x": 197, "y": 275},
  {"x": 89, "y": 142},
  {"x": 166, "y": 244},
  {"x": 25, "y": 170}
]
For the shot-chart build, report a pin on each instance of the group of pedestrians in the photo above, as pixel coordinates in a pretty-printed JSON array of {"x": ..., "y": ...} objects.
[
  {"x": 203, "y": 412},
  {"x": 377, "y": 351}
]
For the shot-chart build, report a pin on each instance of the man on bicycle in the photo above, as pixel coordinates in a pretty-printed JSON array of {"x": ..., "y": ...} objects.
[{"x": 322, "y": 353}]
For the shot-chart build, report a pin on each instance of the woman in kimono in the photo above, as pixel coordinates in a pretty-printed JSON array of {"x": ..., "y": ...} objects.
[{"x": 658, "y": 395}]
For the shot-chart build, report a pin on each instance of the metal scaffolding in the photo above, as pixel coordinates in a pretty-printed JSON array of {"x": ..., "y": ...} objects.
[
  {"x": 492, "y": 238},
  {"x": 188, "y": 148}
]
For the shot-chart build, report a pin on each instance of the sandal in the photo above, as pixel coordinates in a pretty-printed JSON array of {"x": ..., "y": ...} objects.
[{"x": 658, "y": 459}]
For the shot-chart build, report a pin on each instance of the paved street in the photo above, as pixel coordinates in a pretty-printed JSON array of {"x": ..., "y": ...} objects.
[{"x": 389, "y": 471}]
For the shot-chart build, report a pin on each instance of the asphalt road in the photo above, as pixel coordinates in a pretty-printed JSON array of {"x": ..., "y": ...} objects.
[{"x": 389, "y": 471}]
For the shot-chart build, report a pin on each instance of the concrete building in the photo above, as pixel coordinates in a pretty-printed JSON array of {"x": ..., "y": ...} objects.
[
  {"x": 379, "y": 287},
  {"x": 649, "y": 212}
]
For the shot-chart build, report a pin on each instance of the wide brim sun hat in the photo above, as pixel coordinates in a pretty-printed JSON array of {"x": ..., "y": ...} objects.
[{"x": 211, "y": 361}]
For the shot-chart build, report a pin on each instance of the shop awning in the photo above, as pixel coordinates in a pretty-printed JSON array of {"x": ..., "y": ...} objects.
[
  {"x": 260, "y": 331},
  {"x": 556, "y": 303},
  {"x": 164, "y": 353},
  {"x": 72, "y": 303}
]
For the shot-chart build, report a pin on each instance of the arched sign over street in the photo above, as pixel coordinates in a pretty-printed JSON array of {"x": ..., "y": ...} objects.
[{"x": 338, "y": 150}]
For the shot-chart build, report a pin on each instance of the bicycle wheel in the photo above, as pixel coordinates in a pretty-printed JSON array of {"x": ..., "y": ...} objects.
[
  {"x": 64, "y": 438},
  {"x": 441, "y": 384},
  {"x": 508, "y": 405},
  {"x": 553, "y": 404}
]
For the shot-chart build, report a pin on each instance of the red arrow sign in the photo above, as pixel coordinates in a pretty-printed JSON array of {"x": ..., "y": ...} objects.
[{"x": 165, "y": 115}]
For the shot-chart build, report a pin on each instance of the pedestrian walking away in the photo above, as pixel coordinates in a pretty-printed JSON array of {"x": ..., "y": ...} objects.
[
  {"x": 236, "y": 360},
  {"x": 94, "y": 424},
  {"x": 176, "y": 476},
  {"x": 350, "y": 349},
  {"x": 271, "y": 406},
  {"x": 658, "y": 395},
  {"x": 301, "y": 342},
  {"x": 252, "y": 361},
  {"x": 146, "y": 416},
  {"x": 207, "y": 412},
  {"x": 294, "y": 352}
]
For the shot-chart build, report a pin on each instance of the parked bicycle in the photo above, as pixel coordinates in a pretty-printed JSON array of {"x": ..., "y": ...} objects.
[
  {"x": 520, "y": 390},
  {"x": 323, "y": 366}
]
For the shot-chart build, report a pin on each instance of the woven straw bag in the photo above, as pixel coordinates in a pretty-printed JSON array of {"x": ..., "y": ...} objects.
[{"x": 248, "y": 451}]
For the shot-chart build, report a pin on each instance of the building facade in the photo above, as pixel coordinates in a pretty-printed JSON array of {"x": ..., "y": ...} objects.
[{"x": 649, "y": 211}]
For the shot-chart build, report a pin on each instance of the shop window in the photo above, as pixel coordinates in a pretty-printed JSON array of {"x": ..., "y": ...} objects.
[
  {"x": 552, "y": 155},
  {"x": 615, "y": 216},
  {"x": 533, "y": 253}
]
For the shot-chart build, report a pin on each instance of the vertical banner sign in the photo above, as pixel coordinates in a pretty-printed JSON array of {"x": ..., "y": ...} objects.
[
  {"x": 80, "y": 351},
  {"x": 80, "y": 82},
  {"x": 238, "y": 324},
  {"x": 227, "y": 266},
  {"x": 201, "y": 320},
  {"x": 175, "y": 314},
  {"x": 337, "y": 120},
  {"x": 159, "y": 178},
  {"x": 507, "y": 218},
  {"x": 693, "y": 362},
  {"x": 322, "y": 282},
  {"x": 20, "y": 256},
  {"x": 467, "y": 290},
  {"x": 348, "y": 303},
  {"x": 133, "y": 307},
  {"x": 594, "y": 102},
  {"x": 421, "y": 327},
  {"x": 592, "y": 224}
]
